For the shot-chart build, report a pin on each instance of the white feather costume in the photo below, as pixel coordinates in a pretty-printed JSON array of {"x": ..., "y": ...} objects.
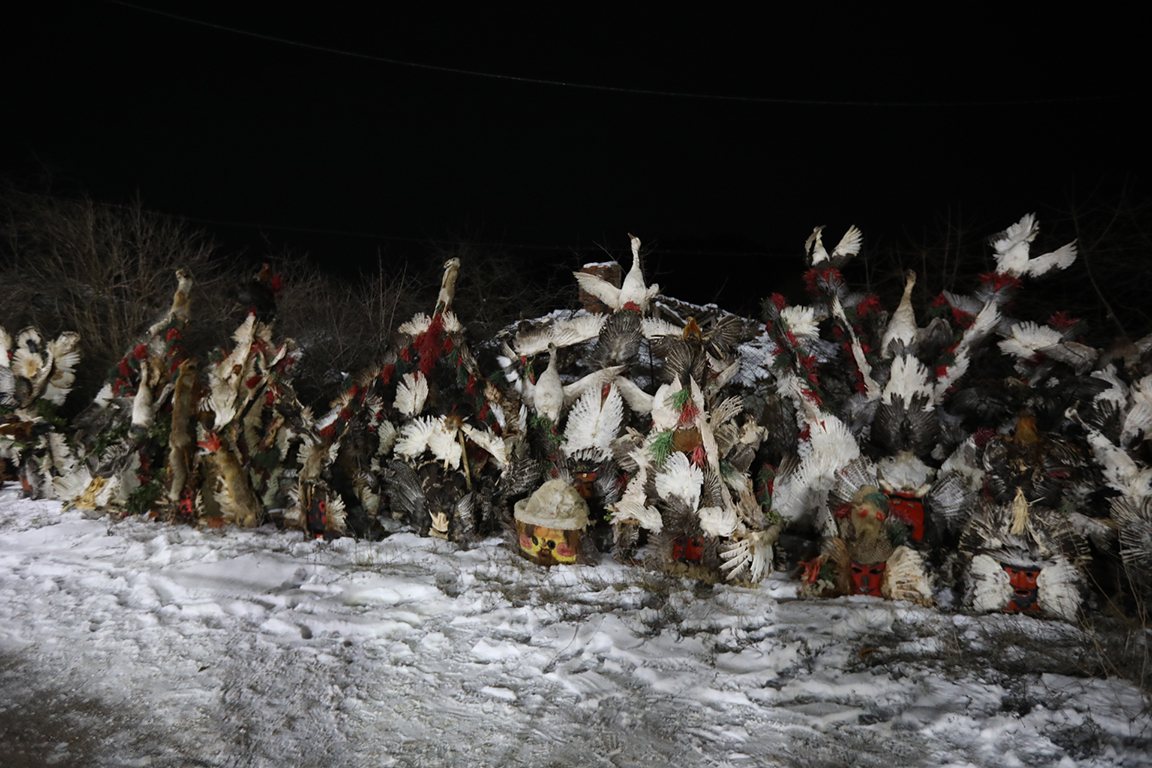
[
  {"x": 634, "y": 290},
  {"x": 593, "y": 423},
  {"x": 848, "y": 247},
  {"x": 411, "y": 394},
  {"x": 1014, "y": 244},
  {"x": 633, "y": 506},
  {"x": 66, "y": 356}
]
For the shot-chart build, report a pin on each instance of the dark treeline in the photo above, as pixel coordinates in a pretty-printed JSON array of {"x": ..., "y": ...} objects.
[{"x": 105, "y": 270}]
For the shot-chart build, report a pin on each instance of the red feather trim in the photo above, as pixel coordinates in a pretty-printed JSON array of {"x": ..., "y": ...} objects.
[
  {"x": 1000, "y": 281},
  {"x": 870, "y": 304}
]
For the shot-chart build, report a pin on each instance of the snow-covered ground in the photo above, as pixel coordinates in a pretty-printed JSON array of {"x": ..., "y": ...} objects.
[{"x": 144, "y": 644}]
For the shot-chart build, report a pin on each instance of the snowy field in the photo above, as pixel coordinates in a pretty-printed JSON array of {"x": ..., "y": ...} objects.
[{"x": 143, "y": 644}]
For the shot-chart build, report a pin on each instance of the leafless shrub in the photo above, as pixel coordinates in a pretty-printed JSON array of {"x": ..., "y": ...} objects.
[
  {"x": 1115, "y": 243},
  {"x": 105, "y": 271},
  {"x": 947, "y": 253},
  {"x": 342, "y": 326},
  {"x": 345, "y": 326},
  {"x": 496, "y": 287}
]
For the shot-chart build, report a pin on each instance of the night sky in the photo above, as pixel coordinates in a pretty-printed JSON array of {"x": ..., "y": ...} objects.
[{"x": 889, "y": 123}]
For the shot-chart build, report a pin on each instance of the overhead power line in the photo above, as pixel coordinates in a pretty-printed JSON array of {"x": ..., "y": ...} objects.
[{"x": 613, "y": 88}]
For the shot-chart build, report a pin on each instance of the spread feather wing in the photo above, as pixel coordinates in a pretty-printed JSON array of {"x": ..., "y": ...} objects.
[
  {"x": 7, "y": 384},
  {"x": 727, "y": 410},
  {"x": 851, "y": 478},
  {"x": 989, "y": 586},
  {"x": 908, "y": 377},
  {"x": 633, "y": 506},
  {"x": 414, "y": 437},
  {"x": 911, "y": 426},
  {"x": 386, "y": 434},
  {"x": 681, "y": 479},
  {"x": 464, "y": 518},
  {"x": 717, "y": 521},
  {"x": 243, "y": 336},
  {"x": 405, "y": 490},
  {"x": 1137, "y": 424},
  {"x": 411, "y": 393},
  {"x": 416, "y": 326},
  {"x": 654, "y": 328},
  {"x": 801, "y": 321},
  {"x": 1059, "y": 589},
  {"x": 444, "y": 444},
  {"x": 985, "y": 322},
  {"x": 1079, "y": 357},
  {"x": 751, "y": 553},
  {"x": 600, "y": 288},
  {"x": 1120, "y": 470},
  {"x": 905, "y": 577},
  {"x": 489, "y": 442},
  {"x": 336, "y": 515},
  {"x": 562, "y": 333},
  {"x": 679, "y": 359},
  {"x": 63, "y": 350},
  {"x": 814, "y": 247},
  {"x": 68, "y": 487},
  {"x": 26, "y": 363},
  {"x": 1061, "y": 258},
  {"x": 5, "y": 346},
  {"x": 1023, "y": 231},
  {"x": 1134, "y": 516},
  {"x": 593, "y": 423},
  {"x": 1012, "y": 245},
  {"x": 619, "y": 340},
  {"x": 1028, "y": 338},
  {"x": 849, "y": 245},
  {"x": 724, "y": 335},
  {"x": 521, "y": 476}
]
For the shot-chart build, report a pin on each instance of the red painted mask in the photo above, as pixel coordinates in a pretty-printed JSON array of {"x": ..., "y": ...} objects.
[
  {"x": 866, "y": 579},
  {"x": 1023, "y": 581},
  {"x": 686, "y": 549}
]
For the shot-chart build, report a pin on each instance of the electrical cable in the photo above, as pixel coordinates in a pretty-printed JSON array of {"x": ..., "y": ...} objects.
[{"x": 620, "y": 89}]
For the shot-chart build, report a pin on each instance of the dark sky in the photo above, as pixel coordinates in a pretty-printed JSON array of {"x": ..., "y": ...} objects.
[{"x": 993, "y": 116}]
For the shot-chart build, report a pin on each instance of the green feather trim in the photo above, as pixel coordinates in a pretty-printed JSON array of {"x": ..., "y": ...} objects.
[
  {"x": 661, "y": 448},
  {"x": 47, "y": 411},
  {"x": 897, "y": 532}
]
